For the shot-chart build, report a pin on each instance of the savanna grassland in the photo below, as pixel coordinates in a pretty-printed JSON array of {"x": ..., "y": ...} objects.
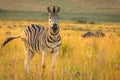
[
  {"x": 94, "y": 58},
  {"x": 79, "y": 59}
]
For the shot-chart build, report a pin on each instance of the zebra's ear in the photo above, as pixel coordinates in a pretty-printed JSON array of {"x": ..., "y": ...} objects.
[
  {"x": 58, "y": 9},
  {"x": 49, "y": 10}
]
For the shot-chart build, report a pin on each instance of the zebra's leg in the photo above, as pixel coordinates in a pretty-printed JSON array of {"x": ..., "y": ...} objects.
[
  {"x": 29, "y": 56},
  {"x": 44, "y": 54},
  {"x": 54, "y": 57}
]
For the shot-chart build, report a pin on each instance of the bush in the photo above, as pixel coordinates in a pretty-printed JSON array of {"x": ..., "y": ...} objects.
[{"x": 91, "y": 22}]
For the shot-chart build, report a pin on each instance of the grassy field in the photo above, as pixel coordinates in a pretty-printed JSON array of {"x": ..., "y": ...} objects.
[{"x": 79, "y": 58}]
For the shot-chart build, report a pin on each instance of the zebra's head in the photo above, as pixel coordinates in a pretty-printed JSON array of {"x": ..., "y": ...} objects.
[{"x": 54, "y": 19}]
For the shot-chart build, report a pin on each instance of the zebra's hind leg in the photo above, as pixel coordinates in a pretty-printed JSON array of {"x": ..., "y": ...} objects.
[{"x": 29, "y": 56}]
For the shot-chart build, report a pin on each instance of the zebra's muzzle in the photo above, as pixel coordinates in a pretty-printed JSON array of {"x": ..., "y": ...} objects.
[{"x": 55, "y": 28}]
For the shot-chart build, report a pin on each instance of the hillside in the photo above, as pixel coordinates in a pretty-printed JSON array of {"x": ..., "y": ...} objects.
[{"x": 96, "y": 10}]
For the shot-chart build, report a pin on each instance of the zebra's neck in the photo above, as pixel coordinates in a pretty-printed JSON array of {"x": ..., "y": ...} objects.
[
  {"x": 53, "y": 36},
  {"x": 53, "y": 40}
]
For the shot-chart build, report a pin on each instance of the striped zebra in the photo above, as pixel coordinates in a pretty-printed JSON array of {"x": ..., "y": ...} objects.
[{"x": 41, "y": 39}]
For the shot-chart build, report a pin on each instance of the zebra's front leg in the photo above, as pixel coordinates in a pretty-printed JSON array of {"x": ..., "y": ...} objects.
[
  {"x": 30, "y": 55},
  {"x": 54, "y": 57},
  {"x": 44, "y": 54}
]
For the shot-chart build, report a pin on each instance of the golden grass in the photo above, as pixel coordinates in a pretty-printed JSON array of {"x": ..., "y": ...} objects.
[{"x": 79, "y": 59}]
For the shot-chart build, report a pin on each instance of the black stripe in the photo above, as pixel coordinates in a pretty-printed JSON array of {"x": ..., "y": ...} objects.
[
  {"x": 47, "y": 44},
  {"x": 59, "y": 39},
  {"x": 50, "y": 46},
  {"x": 26, "y": 30},
  {"x": 49, "y": 41},
  {"x": 54, "y": 33},
  {"x": 33, "y": 38},
  {"x": 37, "y": 38},
  {"x": 38, "y": 27},
  {"x": 33, "y": 26},
  {"x": 29, "y": 30},
  {"x": 58, "y": 45},
  {"x": 50, "y": 37},
  {"x": 30, "y": 37},
  {"x": 54, "y": 47}
]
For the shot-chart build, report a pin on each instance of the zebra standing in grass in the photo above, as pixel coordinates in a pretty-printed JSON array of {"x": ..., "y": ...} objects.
[{"x": 37, "y": 38}]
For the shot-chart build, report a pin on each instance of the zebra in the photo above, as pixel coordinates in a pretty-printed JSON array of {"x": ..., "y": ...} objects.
[{"x": 41, "y": 39}]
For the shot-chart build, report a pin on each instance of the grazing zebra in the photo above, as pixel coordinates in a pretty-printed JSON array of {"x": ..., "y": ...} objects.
[{"x": 41, "y": 39}]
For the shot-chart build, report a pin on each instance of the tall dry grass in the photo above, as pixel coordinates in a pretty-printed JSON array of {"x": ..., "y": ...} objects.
[{"x": 79, "y": 59}]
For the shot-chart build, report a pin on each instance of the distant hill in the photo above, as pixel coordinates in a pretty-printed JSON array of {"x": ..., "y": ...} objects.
[{"x": 96, "y": 10}]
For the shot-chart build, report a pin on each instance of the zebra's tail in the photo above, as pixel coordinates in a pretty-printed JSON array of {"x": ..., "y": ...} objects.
[{"x": 9, "y": 39}]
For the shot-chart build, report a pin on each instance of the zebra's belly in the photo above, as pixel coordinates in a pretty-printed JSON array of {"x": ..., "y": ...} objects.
[{"x": 35, "y": 46}]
